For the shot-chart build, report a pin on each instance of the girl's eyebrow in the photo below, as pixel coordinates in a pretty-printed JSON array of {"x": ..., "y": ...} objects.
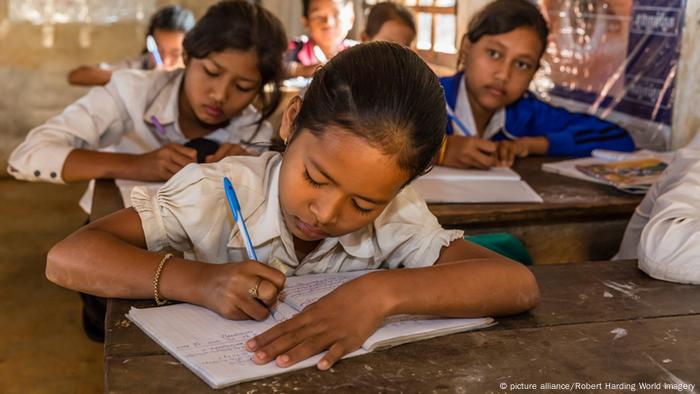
[
  {"x": 242, "y": 78},
  {"x": 325, "y": 174}
]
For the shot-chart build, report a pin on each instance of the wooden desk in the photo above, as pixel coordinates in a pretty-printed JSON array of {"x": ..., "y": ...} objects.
[
  {"x": 579, "y": 221},
  {"x": 569, "y": 338}
]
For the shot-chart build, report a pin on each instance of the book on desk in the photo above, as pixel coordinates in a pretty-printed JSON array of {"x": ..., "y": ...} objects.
[{"x": 213, "y": 347}]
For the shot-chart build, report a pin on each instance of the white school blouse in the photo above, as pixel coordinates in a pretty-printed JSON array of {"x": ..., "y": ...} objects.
[
  {"x": 190, "y": 213},
  {"x": 463, "y": 110},
  {"x": 664, "y": 232},
  {"x": 117, "y": 118}
]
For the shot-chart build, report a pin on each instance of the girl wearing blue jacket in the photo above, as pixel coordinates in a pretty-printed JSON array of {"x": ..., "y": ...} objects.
[{"x": 493, "y": 117}]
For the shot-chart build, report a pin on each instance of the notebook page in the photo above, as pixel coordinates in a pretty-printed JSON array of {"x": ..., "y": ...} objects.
[
  {"x": 404, "y": 331},
  {"x": 209, "y": 345},
  {"x": 481, "y": 191},
  {"x": 302, "y": 291},
  {"x": 457, "y": 174}
]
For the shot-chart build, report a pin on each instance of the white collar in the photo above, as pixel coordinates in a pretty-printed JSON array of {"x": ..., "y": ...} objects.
[{"x": 464, "y": 112}]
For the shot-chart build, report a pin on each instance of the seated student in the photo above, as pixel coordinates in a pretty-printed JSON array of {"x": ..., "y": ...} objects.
[
  {"x": 168, "y": 27},
  {"x": 391, "y": 22},
  {"x": 328, "y": 23},
  {"x": 320, "y": 207},
  {"x": 498, "y": 119},
  {"x": 232, "y": 53},
  {"x": 664, "y": 232}
]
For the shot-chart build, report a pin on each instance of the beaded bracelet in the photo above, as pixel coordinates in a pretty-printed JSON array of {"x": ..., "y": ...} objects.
[{"x": 156, "y": 280}]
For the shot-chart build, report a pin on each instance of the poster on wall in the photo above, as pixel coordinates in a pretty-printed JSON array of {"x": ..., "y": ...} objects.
[{"x": 617, "y": 59}]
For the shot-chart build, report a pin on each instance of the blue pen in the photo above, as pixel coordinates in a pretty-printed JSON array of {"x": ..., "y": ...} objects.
[
  {"x": 159, "y": 127},
  {"x": 153, "y": 48},
  {"x": 238, "y": 217},
  {"x": 458, "y": 122}
]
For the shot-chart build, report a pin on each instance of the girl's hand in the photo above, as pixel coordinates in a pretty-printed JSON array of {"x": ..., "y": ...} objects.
[
  {"x": 161, "y": 164},
  {"x": 340, "y": 322},
  {"x": 509, "y": 150},
  {"x": 469, "y": 152},
  {"x": 227, "y": 150},
  {"x": 225, "y": 289}
]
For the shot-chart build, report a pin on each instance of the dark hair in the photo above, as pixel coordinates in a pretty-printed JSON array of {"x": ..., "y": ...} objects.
[
  {"x": 305, "y": 4},
  {"x": 242, "y": 25},
  {"x": 382, "y": 92},
  {"x": 172, "y": 18},
  {"x": 384, "y": 12},
  {"x": 503, "y": 16}
]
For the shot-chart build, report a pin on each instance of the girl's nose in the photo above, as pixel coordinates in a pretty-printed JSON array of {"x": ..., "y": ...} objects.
[{"x": 326, "y": 208}]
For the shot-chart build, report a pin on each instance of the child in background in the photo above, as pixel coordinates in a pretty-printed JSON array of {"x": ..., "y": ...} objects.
[
  {"x": 328, "y": 23},
  {"x": 390, "y": 22},
  {"x": 664, "y": 232},
  {"x": 497, "y": 118},
  {"x": 168, "y": 27},
  {"x": 231, "y": 54},
  {"x": 135, "y": 127},
  {"x": 321, "y": 207}
]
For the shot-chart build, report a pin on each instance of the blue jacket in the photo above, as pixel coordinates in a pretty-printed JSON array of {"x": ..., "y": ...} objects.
[{"x": 569, "y": 134}]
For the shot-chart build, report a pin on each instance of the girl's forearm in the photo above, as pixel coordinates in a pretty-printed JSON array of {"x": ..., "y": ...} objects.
[
  {"x": 536, "y": 145},
  {"x": 470, "y": 288},
  {"x": 99, "y": 263},
  {"x": 83, "y": 164}
]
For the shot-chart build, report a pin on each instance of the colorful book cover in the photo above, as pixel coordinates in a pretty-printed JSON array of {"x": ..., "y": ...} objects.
[{"x": 634, "y": 176}]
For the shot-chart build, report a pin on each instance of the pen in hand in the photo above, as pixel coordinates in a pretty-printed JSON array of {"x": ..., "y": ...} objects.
[{"x": 238, "y": 218}]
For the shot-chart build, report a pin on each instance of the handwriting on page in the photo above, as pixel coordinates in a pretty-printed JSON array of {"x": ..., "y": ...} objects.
[
  {"x": 201, "y": 335},
  {"x": 302, "y": 291}
]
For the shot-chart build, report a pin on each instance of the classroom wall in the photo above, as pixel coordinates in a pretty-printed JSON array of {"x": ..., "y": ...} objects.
[{"x": 33, "y": 78}]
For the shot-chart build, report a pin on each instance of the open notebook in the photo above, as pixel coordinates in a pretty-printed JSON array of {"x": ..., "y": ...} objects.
[
  {"x": 213, "y": 347},
  {"x": 451, "y": 185}
]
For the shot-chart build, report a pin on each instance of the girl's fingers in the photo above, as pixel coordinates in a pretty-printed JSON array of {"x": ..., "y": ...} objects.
[
  {"x": 253, "y": 308},
  {"x": 273, "y": 275},
  {"x": 335, "y": 353},
  {"x": 262, "y": 340},
  {"x": 267, "y": 292},
  {"x": 218, "y": 155},
  {"x": 190, "y": 153},
  {"x": 484, "y": 161},
  {"x": 280, "y": 345},
  {"x": 171, "y": 167},
  {"x": 306, "y": 348},
  {"x": 180, "y": 158}
]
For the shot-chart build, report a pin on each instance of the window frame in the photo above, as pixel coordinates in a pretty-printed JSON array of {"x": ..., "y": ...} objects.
[{"x": 432, "y": 56}]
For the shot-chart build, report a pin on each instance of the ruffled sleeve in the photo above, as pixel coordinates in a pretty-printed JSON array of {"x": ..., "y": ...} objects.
[
  {"x": 408, "y": 235},
  {"x": 187, "y": 212}
]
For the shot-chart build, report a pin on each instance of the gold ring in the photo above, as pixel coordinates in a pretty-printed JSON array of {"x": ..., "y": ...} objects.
[{"x": 253, "y": 291}]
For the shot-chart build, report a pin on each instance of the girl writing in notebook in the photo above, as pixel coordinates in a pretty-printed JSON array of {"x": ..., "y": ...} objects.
[
  {"x": 339, "y": 199},
  {"x": 494, "y": 118},
  {"x": 136, "y": 126}
]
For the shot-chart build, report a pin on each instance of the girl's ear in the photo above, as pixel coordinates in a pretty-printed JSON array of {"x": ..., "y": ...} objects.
[{"x": 288, "y": 117}]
